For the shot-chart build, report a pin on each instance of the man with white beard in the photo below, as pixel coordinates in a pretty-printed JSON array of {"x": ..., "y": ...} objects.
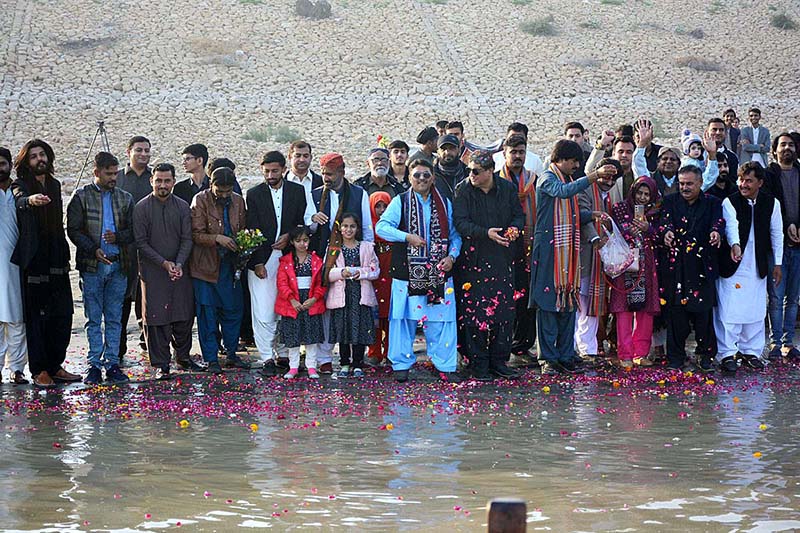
[{"x": 378, "y": 177}]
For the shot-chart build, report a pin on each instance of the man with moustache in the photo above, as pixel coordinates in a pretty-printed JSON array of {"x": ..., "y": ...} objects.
[
  {"x": 13, "y": 347},
  {"x": 134, "y": 179},
  {"x": 754, "y": 140},
  {"x": 100, "y": 225},
  {"x": 449, "y": 169},
  {"x": 379, "y": 177},
  {"x": 42, "y": 254},
  {"x": 732, "y": 133},
  {"x": 336, "y": 197},
  {"x": 724, "y": 187},
  {"x": 622, "y": 149},
  {"x": 274, "y": 207},
  {"x": 783, "y": 182},
  {"x": 300, "y": 167},
  {"x": 692, "y": 224},
  {"x": 754, "y": 241},
  {"x": 398, "y": 156},
  {"x": 555, "y": 259},
  {"x": 162, "y": 227},
  {"x": 717, "y": 129},
  {"x": 524, "y": 181}
]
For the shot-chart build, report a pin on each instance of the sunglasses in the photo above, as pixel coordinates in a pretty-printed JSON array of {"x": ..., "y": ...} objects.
[
  {"x": 476, "y": 170},
  {"x": 421, "y": 175}
]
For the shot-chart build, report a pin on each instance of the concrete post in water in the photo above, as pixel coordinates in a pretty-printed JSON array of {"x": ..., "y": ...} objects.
[{"x": 506, "y": 515}]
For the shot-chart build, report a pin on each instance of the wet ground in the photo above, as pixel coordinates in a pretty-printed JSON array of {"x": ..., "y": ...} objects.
[{"x": 635, "y": 451}]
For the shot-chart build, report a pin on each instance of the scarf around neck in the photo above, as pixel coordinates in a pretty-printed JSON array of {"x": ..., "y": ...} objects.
[
  {"x": 567, "y": 248},
  {"x": 424, "y": 276}
]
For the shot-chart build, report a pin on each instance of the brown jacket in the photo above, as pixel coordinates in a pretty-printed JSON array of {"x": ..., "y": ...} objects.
[{"x": 206, "y": 225}]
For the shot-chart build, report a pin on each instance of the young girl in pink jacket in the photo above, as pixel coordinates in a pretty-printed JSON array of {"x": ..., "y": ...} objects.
[{"x": 351, "y": 297}]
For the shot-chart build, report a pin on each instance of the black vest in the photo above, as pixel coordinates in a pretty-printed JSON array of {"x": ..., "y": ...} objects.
[
  {"x": 762, "y": 212},
  {"x": 319, "y": 241},
  {"x": 398, "y": 268}
]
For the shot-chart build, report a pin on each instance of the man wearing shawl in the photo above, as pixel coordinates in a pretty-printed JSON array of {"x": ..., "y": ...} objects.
[
  {"x": 426, "y": 245},
  {"x": 515, "y": 153},
  {"x": 594, "y": 293},
  {"x": 555, "y": 259},
  {"x": 336, "y": 197}
]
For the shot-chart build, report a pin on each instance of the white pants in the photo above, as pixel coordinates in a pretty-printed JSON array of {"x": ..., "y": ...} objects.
[
  {"x": 13, "y": 344},
  {"x": 324, "y": 350},
  {"x": 263, "y": 293},
  {"x": 748, "y": 339},
  {"x": 586, "y": 326},
  {"x": 311, "y": 356}
]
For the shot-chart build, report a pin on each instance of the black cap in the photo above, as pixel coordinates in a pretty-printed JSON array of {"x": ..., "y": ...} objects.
[
  {"x": 427, "y": 135},
  {"x": 448, "y": 139}
]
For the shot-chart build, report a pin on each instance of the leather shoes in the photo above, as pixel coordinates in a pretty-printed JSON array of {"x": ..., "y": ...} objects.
[
  {"x": 450, "y": 377},
  {"x": 43, "y": 380},
  {"x": 190, "y": 366},
  {"x": 66, "y": 377},
  {"x": 18, "y": 378},
  {"x": 214, "y": 368},
  {"x": 326, "y": 368},
  {"x": 568, "y": 367},
  {"x": 268, "y": 370},
  {"x": 400, "y": 376},
  {"x": 729, "y": 365},
  {"x": 752, "y": 361},
  {"x": 163, "y": 374},
  {"x": 234, "y": 361},
  {"x": 503, "y": 371}
]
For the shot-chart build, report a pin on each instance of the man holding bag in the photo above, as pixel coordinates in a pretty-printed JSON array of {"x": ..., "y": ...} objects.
[{"x": 594, "y": 293}]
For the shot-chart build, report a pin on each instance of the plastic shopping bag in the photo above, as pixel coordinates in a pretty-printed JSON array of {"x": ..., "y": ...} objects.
[{"x": 616, "y": 255}]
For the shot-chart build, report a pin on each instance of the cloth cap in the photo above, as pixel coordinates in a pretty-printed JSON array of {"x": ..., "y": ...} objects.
[
  {"x": 664, "y": 149},
  {"x": 448, "y": 139},
  {"x": 427, "y": 135},
  {"x": 483, "y": 158},
  {"x": 383, "y": 151},
  {"x": 332, "y": 160}
]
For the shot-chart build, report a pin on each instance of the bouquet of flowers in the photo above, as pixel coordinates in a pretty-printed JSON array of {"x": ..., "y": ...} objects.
[{"x": 247, "y": 240}]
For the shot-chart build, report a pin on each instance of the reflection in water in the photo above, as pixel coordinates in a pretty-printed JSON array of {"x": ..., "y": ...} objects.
[{"x": 630, "y": 452}]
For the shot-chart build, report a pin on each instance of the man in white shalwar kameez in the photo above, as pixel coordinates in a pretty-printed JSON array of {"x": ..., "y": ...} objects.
[
  {"x": 13, "y": 347},
  {"x": 754, "y": 232}
]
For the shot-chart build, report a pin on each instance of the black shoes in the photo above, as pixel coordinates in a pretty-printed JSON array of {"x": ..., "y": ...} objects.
[
  {"x": 501, "y": 370},
  {"x": 567, "y": 367},
  {"x": 400, "y": 376},
  {"x": 214, "y": 368},
  {"x": 234, "y": 361},
  {"x": 704, "y": 365},
  {"x": 190, "y": 366},
  {"x": 94, "y": 376},
  {"x": 163, "y": 374},
  {"x": 728, "y": 365},
  {"x": 449, "y": 377},
  {"x": 18, "y": 378},
  {"x": 116, "y": 376},
  {"x": 752, "y": 361},
  {"x": 269, "y": 369}
]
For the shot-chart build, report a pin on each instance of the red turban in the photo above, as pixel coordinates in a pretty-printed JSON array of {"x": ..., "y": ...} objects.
[{"x": 332, "y": 160}]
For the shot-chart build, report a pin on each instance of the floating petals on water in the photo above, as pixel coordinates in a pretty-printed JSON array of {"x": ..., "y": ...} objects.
[
  {"x": 762, "y": 427},
  {"x": 207, "y": 494},
  {"x": 184, "y": 424},
  {"x": 738, "y": 286},
  {"x": 545, "y": 390},
  {"x": 757, "y": 455},
  {"x": 253, "y": 427},
  {"x": 466, "y": 286}
]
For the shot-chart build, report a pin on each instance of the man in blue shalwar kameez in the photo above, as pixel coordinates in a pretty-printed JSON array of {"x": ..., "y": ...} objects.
[{"x": 426, "y": 244}]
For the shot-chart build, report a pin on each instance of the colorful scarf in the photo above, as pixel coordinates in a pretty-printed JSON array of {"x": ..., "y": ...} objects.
[
  {"x": 381, "y": 246},
  {"x": 598, "y": 289},
  {"x": 335, "y": 241},
  {"x": 424, "y": 276},
  {"x": 566, "y": 248},
  {"x": 526, "y": 191}
]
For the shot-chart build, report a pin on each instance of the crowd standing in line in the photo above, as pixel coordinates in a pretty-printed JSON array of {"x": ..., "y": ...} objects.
[{"x": 502, "y": 260}]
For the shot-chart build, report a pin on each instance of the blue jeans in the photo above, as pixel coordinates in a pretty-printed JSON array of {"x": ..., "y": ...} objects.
[
  {"x": 103, "y": 292},
  {"x": 783, "y": 299}
]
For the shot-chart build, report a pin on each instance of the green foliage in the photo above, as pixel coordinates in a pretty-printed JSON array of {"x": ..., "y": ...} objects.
[
  {"x": 782, "y": 21},
  {"x": 589, "y": 25},
  {"x": 541, "y": 27},
  {"x": 611, "y": 2},
  {"x": 520, "y": 2}
]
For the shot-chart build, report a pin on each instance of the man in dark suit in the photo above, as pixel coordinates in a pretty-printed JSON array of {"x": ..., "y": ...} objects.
[
  {"x": 300, "y": 167},
  {"x": 274, "y": 207}
]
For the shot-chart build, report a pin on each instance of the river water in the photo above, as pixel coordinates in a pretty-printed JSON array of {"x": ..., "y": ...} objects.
[{"x": 639, "y": 451}]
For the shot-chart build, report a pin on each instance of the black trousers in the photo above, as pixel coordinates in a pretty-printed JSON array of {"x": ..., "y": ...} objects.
[
  {"x": 159, "y": 339},
  {"x": 680, "y": 324},
  {"x": 523, "y": 336},
  {"x": 127, "y": 303},
  {"x": 246, "y": 329},
  {"x": 48, "y": 338},
  {"x": 354, "y": 351},
  {"x": 487, "y": 348}
]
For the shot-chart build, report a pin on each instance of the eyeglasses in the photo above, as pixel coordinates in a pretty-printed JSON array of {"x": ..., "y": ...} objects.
[
  {"x": 476, "y": 170},
  {"x": 421, "y": 175},
  {"x": 380, "y": 159},
  {"x": 188, "y": 158}
]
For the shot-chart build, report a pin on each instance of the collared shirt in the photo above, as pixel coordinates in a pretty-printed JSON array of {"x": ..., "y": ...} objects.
[
  {"x": 306, "y": 181},
  {"x": 367, "y": 232},
  {"x": 11, "y": 297},
  {"x": 373, "y": 187},
  {"x": 108, "y": 223},
  {"x": 137, "y": 185},
  {"x": 757, "y": 155},
  {"x": 277, "y": 204}
]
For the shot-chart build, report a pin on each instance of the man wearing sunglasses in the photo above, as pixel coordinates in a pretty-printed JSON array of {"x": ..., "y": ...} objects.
[{"x": 426, "y": 244}]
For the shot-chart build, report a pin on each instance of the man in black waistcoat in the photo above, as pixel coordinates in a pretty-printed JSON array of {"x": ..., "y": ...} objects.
[{"x": 754, "y": 241}]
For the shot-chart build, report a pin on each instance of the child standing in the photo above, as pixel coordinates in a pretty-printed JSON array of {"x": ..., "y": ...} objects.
[
  {"x": 300, "y": 302},
  {"x": 378, "y": 202},
  {"x": 351, "y": 297}
]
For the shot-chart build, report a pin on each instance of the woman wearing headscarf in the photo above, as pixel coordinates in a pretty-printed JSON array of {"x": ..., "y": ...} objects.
[
  {"x": 378, "y": 202},
  {"x": 635, "y": 300}
]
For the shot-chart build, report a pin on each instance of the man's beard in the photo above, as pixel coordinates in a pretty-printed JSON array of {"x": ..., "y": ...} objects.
[
  {"x": 40, "y": 168},
  {"x": 5, "y": 176},
  {"x": 787, "y": 158},
  {"x": 380, "y": 172}
]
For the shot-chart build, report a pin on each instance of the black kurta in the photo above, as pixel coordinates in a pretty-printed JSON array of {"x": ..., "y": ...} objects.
[{"x": 484, "y": 264}]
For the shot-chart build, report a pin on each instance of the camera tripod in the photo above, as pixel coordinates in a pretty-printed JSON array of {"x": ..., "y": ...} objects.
[{"x": 103, "y": 135}]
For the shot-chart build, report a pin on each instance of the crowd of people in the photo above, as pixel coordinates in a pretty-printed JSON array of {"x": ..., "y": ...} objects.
[{"x": 500, "y": 259}]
